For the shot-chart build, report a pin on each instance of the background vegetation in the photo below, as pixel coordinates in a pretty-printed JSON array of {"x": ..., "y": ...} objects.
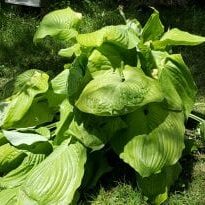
[{"x": 18, "y": 53}]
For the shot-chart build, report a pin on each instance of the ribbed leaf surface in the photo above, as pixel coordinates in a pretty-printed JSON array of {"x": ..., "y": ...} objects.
[
  {"x": 115, "y": 93},
  {"x": 32, "y": 83},
  {"x": 55, "y": 180},
  {"x": 59, "y": 83},
  {"x": 8, "y": 196},
  {"x": 153, "y": 29},
  {"x": 175, "y": 37},
  {"x": 58, "y": 24},
  {"x": 121, "y": 35},
  {"x": 17, "y": 176},
  {"x": 155, "y": 139},
  {"x": 10, "y": 158},
  {"x": 93, "y": 131},
  {"x": 176, "y": 81}
]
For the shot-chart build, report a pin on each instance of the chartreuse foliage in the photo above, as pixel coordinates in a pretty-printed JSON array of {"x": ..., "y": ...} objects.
[{"x": 124, "y": 89}]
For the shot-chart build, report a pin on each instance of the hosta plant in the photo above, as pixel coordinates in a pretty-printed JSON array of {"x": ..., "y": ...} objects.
[{"x": 125, "y": 90}]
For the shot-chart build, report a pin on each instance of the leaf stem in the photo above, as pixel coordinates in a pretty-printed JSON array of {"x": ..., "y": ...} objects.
[
  {"x": 194, "y": 117},
  {"x": 121, "y": 71},
  {"x": 120, "y": 8}
]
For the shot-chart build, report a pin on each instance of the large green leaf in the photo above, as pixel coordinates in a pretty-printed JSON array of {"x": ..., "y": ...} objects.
[
  {"x": 176, "y": 81},
  {"x": 55, "y": 180},
  {"x": 175, "y": 37},
  {"x": 18, "y": 138},
  {"x": 66, "y": 116},
  {"x": 59, "y": 83},
  {"x": 110, "y": 56},
  {"x": 8, "y": 196},
  {"x": 30, "y": 78},
  {"x": 78, "y": 77},
  {"x": 10, "y": 158},
  {"x": 154, "y": 139},
  {"x": 118, "y": 93},
  {"x": 99, "y": 61},
  {"x": 38, "y": 113},
  {"x": 69, "y": 52},
  {"x": 156, "y": 186},
  {"x": 54, "y": 100},
  {"x": 121, "y": 35},
  {"x": 59, "y": 24},
  {"x": 153, "y": 29},
  {"x": 17, "y": 176},
  {"x": 146, "y": 58},
  {"x": 15, "y": 107},
  {"x": 93, "y": 131},
  {"x": 77, "y": 72}
]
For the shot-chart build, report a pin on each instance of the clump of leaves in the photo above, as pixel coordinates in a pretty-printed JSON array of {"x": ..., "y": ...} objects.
[{"x": 124, "y": 89}]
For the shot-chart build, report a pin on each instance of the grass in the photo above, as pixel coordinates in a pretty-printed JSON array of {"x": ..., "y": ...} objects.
[
  {"x": 189, "y": 189},
  {"x": 18, "y": 53},
  {"x": 194, "y": 195},
  {"x": 121, "y": 194}
]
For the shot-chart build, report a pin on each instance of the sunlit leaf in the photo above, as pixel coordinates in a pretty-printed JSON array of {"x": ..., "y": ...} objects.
[
  {"x": 115, "y": 93},
  {"x": 153, "y": 29},
  {"x": 61, "y": 171},
  {"x": 8, "y": 196},
  {"x": 17, "y": 176},
  {"x": 18, "y": 138},
  {"x": 175, "y": 37},
  {"x": 59, "y": 24},
  {"x": 121, "y": 35},
  {"x": 176, "y": 81},
  {"x": 69, "y": 52},
  {"x": 59, "y": 83},
  {"x": 10, "y": 158},
  {"x": 15, "y": 107}
]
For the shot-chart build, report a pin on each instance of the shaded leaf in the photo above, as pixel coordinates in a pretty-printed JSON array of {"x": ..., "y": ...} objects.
[
  {"x": 154, "y": 139},
  {"x": 96, "y": 166},
  {"x": 94, "y": 132},
  {"x": 3, "y": 140},
  {"x": 38, "y": 113},
  {"x": 66, "y": 116},
  {"x": 110, "y": 56},
  {"x": 156, "y": 187},
  {"x": 147, "y": 62}
]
